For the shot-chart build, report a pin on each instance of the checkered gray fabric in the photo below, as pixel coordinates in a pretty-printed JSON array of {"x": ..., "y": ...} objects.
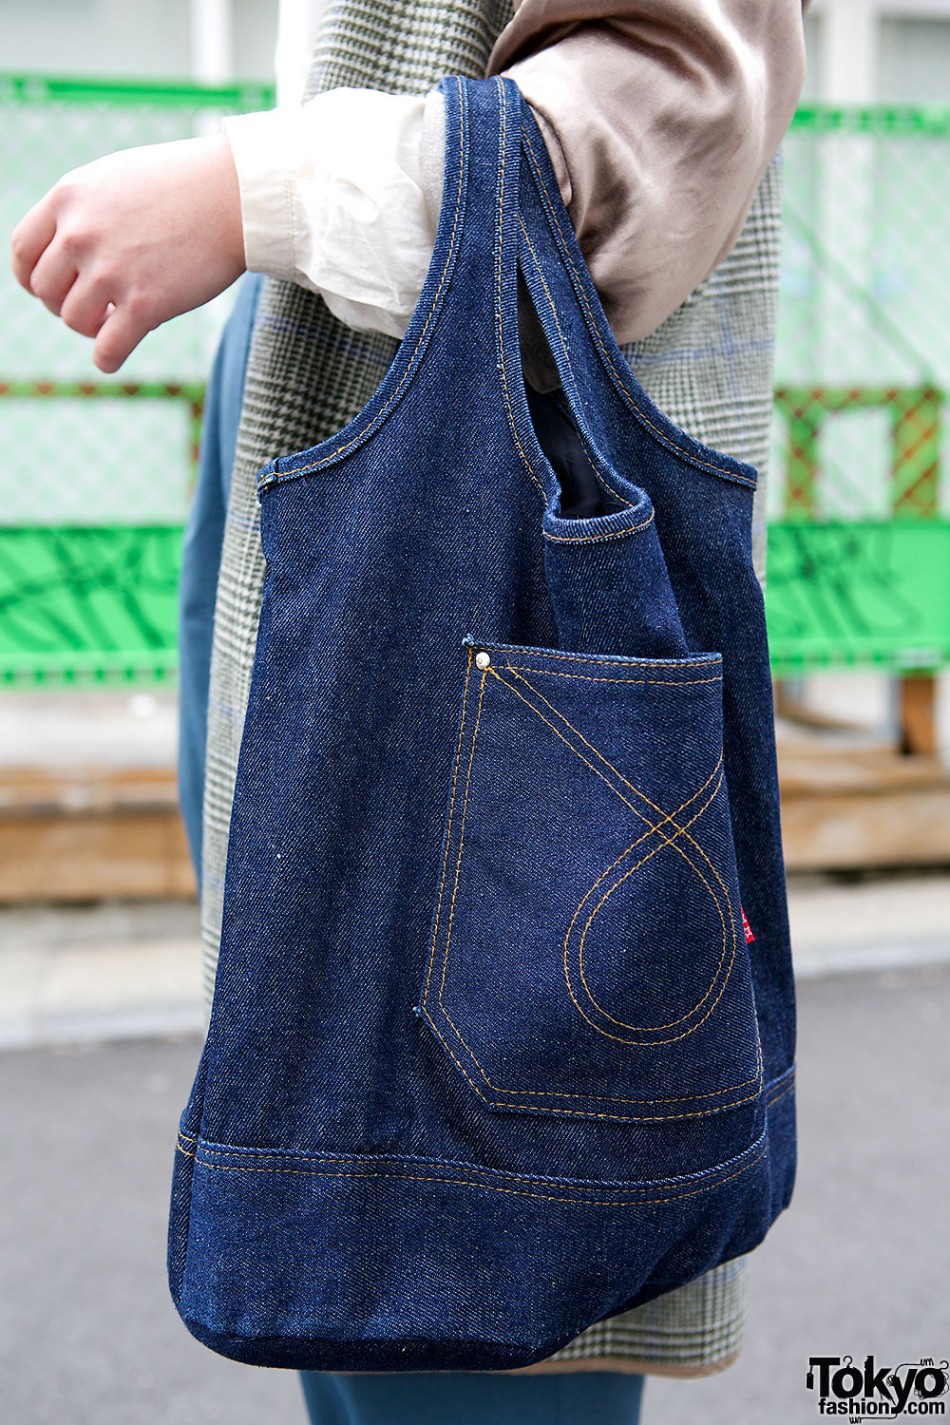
[{"x": 708, "y": 367}]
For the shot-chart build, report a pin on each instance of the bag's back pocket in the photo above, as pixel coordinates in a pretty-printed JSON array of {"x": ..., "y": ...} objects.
[{"x": 587, "y": 955}]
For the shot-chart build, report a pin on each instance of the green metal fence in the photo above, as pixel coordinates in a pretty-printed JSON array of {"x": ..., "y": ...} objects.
[
  {"x": 93, "y": 601},
  {"x": 859, "y": 536},
  {"x": 96, "y": 474}
]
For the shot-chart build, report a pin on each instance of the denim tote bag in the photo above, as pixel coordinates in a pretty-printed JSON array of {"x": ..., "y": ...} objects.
[{"x": 503, "y": 1025}]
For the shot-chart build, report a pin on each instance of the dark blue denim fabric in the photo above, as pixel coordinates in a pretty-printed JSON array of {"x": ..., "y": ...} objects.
[
  {"x": 464, "y": 1397},
  {"x": 201, "y": 554},
  {"x": 490, "y": 1057}
]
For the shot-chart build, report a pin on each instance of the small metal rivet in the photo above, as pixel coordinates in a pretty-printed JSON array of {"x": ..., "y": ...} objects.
[{"x": 482, "y": 660}]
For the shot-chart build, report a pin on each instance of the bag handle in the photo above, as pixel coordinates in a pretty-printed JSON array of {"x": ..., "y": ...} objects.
[{"x": 594, "y": 372}]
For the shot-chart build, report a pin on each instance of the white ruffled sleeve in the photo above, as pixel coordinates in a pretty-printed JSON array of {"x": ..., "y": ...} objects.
[{"x": 333, "y": 197}]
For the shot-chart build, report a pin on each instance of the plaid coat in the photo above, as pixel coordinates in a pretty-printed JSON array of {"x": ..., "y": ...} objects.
[{"x": 708, "y": 366}]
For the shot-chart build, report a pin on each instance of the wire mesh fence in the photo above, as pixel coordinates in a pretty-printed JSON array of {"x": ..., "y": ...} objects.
[
  {"x": 864, "y": 333},
  {"x": 96, "y": 473},
  {"x": 859, "y": 542}
]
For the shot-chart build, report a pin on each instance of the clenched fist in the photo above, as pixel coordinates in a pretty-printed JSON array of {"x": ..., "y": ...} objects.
[{"x": 122, "y": 244}]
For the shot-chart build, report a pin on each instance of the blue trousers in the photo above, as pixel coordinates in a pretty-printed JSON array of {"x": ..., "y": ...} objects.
[
  {"x": 452, "y": 1398},
  {"x": 459, "y": 1398}
]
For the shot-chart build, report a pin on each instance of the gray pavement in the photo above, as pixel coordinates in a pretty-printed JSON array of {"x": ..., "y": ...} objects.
[
  {"x": 121, "y": 971},
  {"x": 860, "y": 1264}
]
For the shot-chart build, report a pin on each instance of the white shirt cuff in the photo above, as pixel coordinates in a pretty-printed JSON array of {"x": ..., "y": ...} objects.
[
  {"x": 263, "y": 148},
  {"x": 333, "y": 197}
]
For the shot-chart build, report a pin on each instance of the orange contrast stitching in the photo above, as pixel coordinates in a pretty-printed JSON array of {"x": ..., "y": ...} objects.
[
  {"x": 488, "y": 1187},
  {"x": 655, "y": 808},
  {"x": 686, "y": 663},
  {"x": 502, "y": 365},
  {"x": 458, "y": 863},
  {"x": 599, "y": 538},
  {"x": 652, "y": 829},
  {"x": 591, "y": 678},
  {"x": 617, "y": 773},
  {"x": 599, "y": 475},
  {"x": 785, "y": 1087},
  {"x": 386, "y": 1160},
  {"x": 448, "y": 829},
  {"x": 770, "y": 1103},
  {"x": 646, "y": 1028}
]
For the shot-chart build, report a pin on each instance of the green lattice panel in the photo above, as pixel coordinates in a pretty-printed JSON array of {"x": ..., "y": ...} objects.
[
  {"x": 88, "y": 603},
  {"x": 858, "y": 592}
]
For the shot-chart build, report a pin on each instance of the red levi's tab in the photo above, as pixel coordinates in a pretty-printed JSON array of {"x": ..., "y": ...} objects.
[{"x": 749, "y": 937}]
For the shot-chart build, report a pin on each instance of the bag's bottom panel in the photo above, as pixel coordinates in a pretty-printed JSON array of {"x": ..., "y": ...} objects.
[{"x": 339, "y": 1262}]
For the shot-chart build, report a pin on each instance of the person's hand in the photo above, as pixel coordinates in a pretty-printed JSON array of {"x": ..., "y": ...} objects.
[{"x": 121, "y": 245}]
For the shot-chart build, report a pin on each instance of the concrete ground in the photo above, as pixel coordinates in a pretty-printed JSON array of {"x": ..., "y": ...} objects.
[
  {"x": 860, "y": 1263},
  {"x": 100, "y": 1012}
]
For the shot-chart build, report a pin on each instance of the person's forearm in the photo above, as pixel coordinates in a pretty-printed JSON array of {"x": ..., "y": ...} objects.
[
  {"x": 660, "y": 120},
  {"x": 660, "y": 117}
]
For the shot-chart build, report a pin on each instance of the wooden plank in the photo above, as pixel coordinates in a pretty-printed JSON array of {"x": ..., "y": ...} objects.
[
  {"x": 869, "y": 772},
  {"x": 852, "y": 806},
  {"x": 917, "y": 714},
  {"x": 102, "y": 834},
  {"x": 842, "y": 832},
  {"x": 38, "y": 789},
  {"x": 94, "y": 856},
  {"x": 91, "y": 834}
]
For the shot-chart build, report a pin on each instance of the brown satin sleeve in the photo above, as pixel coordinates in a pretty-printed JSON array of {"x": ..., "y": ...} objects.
[{"x": 661, "y": 117}]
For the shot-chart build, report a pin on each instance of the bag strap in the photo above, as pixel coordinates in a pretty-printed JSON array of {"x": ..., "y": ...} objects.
[
  {"x": 485, "y": 125},
  {"x": 599, "y": 385}
]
